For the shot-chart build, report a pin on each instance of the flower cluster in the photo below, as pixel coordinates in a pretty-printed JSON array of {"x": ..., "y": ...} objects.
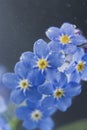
[{"x": 47, "y": 79}]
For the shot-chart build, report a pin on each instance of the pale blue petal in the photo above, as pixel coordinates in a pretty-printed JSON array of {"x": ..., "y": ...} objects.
[
  {"x": 17, "y": 96},
  {"x": 54, "y": 46},
  {"x": 46, "y": 88},
  {"x": 64, "y": 103},
  {"x": 46, "y": 124},
  {"x": 33, "y": 95},
  {"x": 21, "y": 69},
  {"x": 48, "y": 102},
  {"x": 10, "y": 80},
  {"x": 22, "y": 112},
  {"x": 52, "y": 33},
  {"x": 79, "y": 39},
  {"x": 41, "y": 48},
  {"x": 36, "y": 77},
  {"x": 67, "y": 28},
  {"x": 72, "y": 89},
  {"x": 55, "y": 59},
  {"x": 30, "y": 124}
]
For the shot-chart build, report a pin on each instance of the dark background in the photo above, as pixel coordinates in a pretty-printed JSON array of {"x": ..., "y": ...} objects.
[{"x": 22, "y": 22}]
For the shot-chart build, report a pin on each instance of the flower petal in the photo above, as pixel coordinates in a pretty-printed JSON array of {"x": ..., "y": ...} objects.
[
  {"x": 70, "y": 49},
  {"x": 41, "y": 48},
  {"x": 46, "y": 124},
  {"x": 72, "y": 89},
  {"x": 21, "y": 69},
  {"x": 61, "y": 79},
  {"x": 52, "y": 33},
  {"x": 54, "y": 46},
  {"x": 28, "y": 57},
  {"x": 79, "y": 40},
  {"x": 48, "y": 102},
  {"x": 17, "y": 96},
  {"x": 64, "y": 103},
  {"x": 30, "y": 124},
  {"x": 36, "y": 77},
  {"x": 46, "y": 88},
  {"x": 10, "y": 80},
  {"x": 67, "y": 28},
  {"x": 55, "y": 59},
  {"x": 22, "y": 112},
  {"x": 33, "y": 95}
]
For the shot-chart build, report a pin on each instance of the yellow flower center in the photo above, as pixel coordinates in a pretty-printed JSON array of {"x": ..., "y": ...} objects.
[
  {"x": 80, "y": 66},
  {"x": 36, "y": 115},
  {"x": 42, "y": 64},
  {"x": 24, "y": 84},
  {"x": 65, "y": 39},
  {"x": 58, "y": 93}
]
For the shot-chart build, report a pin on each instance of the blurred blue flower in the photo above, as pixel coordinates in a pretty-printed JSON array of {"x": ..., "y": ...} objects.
[
  {"x": 60, "y": 92},
  {"x": 43, "y": 60},
  {"x": 4, "y": 125},
  {"x": 35, "y": 116},
  {"x": 23, "y": 83},
  {"x": 3, "y": 106},
  {"x": 65, "y": 38}
]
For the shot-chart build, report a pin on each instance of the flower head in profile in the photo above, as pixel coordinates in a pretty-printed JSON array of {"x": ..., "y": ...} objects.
[
  {"x": 23, "y": 83},
  {"x": 65, "y": 38},
  {"x": 35, "y": 116},
  {"x": 60, "y": 92}
]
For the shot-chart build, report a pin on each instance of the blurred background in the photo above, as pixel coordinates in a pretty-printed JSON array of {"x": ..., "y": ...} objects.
[{"x": 22, "y": 22}]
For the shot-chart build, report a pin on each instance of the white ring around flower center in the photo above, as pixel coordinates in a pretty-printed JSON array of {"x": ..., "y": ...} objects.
[{"x": 36, "y": 115}]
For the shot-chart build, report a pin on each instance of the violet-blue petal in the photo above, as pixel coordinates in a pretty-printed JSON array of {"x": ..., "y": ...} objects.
[
  {"x": 41, "y": 48},
  {"x": 70, "y": 49},
  {"x": 54, "y": 46},
  {"x": 84, "y": 58},
  {"x": 64, "y": 103},
  {"x": 48, "y": 102},
  {"x": 36, "y": 77},
  {"x": 76, "y": 77},
  {"x": 22, "y": 112},
  {"x": 30, "y": 124},
  {"x": 67, "y": 28},
  {"x": 10, "y": 80},
  {"x": 46, "y": 88},
  {"x": 72, "y": 89},
  {"x": 84, "y": 73},
  {"x": 21, "y": 69},
  {"x": 61, "y": 79},
  {"x": 46, "y": 124},
  {"x": 78, "y": 55},
  {"x": 28, "y": 57},
  {"x": 79, "y": 39},
  {"x": 55, "y": 59},
  {"x": 52, "y": 33},
  {"x": 17, "y": 96},
  {"x": 33, "y": 95}
]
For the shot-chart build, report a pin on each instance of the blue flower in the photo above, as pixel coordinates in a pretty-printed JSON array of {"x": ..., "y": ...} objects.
[
  {"x": 23, "y": 83},
  {"x": 42, "y": 59},
  {"x": 3, "y": 106},
  {"x": 4, "y": 125},
  {"x": 35, "y": 116},
  {"x": 65, "y": 38},
  {"x": 60, "y": 92},
  {"x": 78, "y": 68}
]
